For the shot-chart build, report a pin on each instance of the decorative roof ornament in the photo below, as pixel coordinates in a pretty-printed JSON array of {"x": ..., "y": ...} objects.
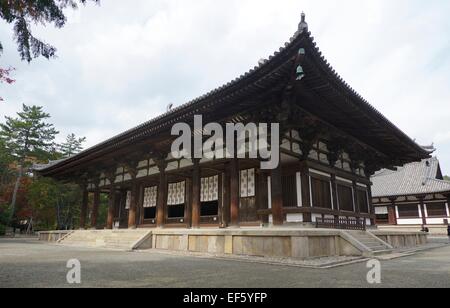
[
  {"x": 429, "y": 148},
  {"x": 300, "y": 73},
  {"x": 303, "y": 25}
]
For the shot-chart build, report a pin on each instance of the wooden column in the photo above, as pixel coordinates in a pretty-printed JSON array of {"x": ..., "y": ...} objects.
[
  {"x": 196, "y": 186},
  {"x": 188, "y": 204},
  {"x": 111, "y": 207},
  {"x": 226, "y": 194},
  {"x": 132, "y": 224},
  {"x": 262, "y": 194},
  {"x": 84, "y": 207},
  {"x": 355, "y": 198},
  {"x": 162, "y": 194},
  {"x": 95, "y": 207},
  {"x": 234, "y": 192},
  {"x": 334, "y": 196},
  {"x": 306, "y": 193},
  {"x": 392, "y": 213},
  {"x": 422, "y": 209},
  {"x": 371, "y": 207},
  {"x": 277, "y": 196},
  {"x": 220, "y": 211}
]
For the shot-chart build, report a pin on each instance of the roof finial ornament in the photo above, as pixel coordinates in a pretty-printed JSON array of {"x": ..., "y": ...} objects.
[{"x": 303, "y": 25}]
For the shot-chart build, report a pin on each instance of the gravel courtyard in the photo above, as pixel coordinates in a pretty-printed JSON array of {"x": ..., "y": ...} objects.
[{"x": 29, "y": 263}]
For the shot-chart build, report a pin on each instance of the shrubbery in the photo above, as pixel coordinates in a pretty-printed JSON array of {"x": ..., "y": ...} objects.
[{"x": 3, "y": 219}]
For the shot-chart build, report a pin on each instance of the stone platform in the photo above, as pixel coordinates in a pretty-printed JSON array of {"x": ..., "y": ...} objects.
[{"x": 293, "y": 243}]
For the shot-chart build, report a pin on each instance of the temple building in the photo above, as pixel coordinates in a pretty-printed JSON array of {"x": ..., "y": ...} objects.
[
  {"x": 412, "y": 198},
  {"x": 331, "y": 142}
]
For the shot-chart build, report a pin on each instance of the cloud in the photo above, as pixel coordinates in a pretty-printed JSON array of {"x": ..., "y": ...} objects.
[{"x": 119, "y": 64}]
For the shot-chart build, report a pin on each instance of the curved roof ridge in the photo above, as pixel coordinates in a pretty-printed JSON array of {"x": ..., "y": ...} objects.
[
  {"x": 216, "y": 90},
  {"x": 302, "y": 34},
  {"x": 359, "y": 97}
]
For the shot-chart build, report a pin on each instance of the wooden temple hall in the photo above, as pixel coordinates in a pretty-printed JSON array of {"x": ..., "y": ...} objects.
[{"x": 331, "y": 141}]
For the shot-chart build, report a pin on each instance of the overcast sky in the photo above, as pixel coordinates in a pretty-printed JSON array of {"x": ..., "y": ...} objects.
[{"x": 120, "y": 64}]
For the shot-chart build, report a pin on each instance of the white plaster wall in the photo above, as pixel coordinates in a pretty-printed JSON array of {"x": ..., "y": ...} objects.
[
  {"x": 416, "y": 221},
  {"x": 436, "y": 221},
  {"x": 294, "y": 218},
  {"x": 315, "y": 216}
]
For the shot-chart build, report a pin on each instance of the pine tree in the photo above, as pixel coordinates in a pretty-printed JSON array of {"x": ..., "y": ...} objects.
[
  {"x": 71, "y": 146},
  {"x": 23, "y": 13},
  {"x": 27, "y": 136}
]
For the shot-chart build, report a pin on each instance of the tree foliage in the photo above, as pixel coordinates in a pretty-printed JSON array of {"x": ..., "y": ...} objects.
[
  {"x": 28, "y": 134},
  {"x": 6, "y": 159},
  {"x": 29, "y": 139},
  {"x": 23, "y": 13},
  {"x": 5, "y": 75},
  {"x": 71, "y": 146},
  {"x": 54, "y": 205}
]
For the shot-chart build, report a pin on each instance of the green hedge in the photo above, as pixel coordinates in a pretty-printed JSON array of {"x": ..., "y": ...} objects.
[{"x": 2, "y": 230}]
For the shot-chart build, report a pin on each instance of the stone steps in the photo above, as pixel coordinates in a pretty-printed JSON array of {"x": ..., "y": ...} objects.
[
  {"x": 375, "y": 245},
  {"x": 112, "y": 239}
]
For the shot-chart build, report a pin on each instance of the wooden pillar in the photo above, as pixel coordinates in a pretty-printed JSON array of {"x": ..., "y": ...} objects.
[
  {"x": 262, "y": 194},
  {"x": 392, "y": 213},
  {"x": 141, "y": 204},
  {"x": 370, "y": 203},
  {"x": 234, "y": 192},
  {"x": 95, "y": 207},
  {"x": 422, "y": 209},
  {"x": 132, "y": 224},
  {"x": 306, "y": 193},
  {"x": 355, "y": 198},
  {"x": 277, "y": 196},
  {"x": 196, "y": 187},
  {"x": 220, "y": 212},
  {"x": 111, "y": 207},
  {"x": 84, "y": 207},
  {"x": 226, "y": 195},
  {"x": 188, "y": 204},
  {"x": 334, "y": 196},
  {"x": 162, "y": 194}
]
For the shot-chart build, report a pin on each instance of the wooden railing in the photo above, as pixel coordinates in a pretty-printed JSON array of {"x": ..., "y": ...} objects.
[{"x": 342, "y": 223}]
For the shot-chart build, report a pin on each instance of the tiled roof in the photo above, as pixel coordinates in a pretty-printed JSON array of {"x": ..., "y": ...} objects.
[
  {"x": 39, "y": 167},
  {"x": 272, "y": 67},
  {"x": 411, "y": 179}
]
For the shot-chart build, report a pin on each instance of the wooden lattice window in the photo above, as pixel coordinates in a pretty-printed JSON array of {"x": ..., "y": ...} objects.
[
  {"x": 363, "y": 203},
  {"x": 408, "y": 211},
  {"x": 321, "y": 193},
  {"x": 436, "y": 210},
  {"x": 345, "y": 197},
  {"x": 289, "y": 190}
]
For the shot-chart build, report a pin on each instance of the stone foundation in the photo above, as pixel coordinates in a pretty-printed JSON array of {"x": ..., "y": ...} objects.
[
  {"x": 270, "y": 242},
  {"x": 52, "y": 236},
  {"x": 298, "y": 244},
  {"x": 399, "y": 239},
  {"x": 434, "y": 229}
]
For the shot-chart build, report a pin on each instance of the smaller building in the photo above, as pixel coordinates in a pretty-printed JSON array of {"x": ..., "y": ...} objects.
[{"x": 413, "y": 197}]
